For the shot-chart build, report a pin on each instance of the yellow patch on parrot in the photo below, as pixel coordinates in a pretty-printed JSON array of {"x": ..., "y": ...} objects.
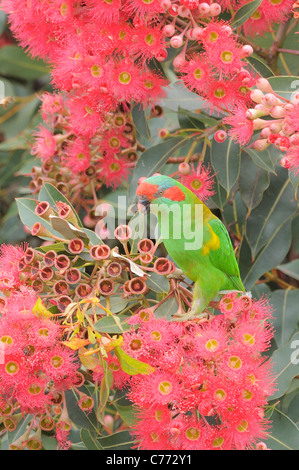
[{"x": 212, "y": 244}]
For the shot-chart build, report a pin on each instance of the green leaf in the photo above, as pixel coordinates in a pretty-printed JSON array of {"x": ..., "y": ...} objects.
[
  {"x": 244, "y": 13},
  {"x": 130, "y": 365},
  {"x": 285, "y": 317},
  {"x": 51, "y": 195},
  {"x": 119, "y": 441},
  {"x": 157, "y": 283},
  {"x": 178, "y": 96},
  {"x": 225, "y": 160},
  {"x": 77, "y": 416},
  {"x": 285, "y": 365},
  {"x": 284, "y": 433},
  {"x": 253, "y": 181},
  {"x": 259, "y": 66},
  {"x": 140, "y": 121},
  {"x": 291, "y": 269},
  {"x": 90, "y": 440},
  {"x": 277, "y": 206},
  {"x": 108, "y": 324},
  {"x": 105, "y": 388},
  {"x": 16, "y": 63},
  {"x": 272, "y": 254},
  {"x": 126, "y": 413},
  {"x": 26, "y": 208},
  {"x": 65, "y": 228},
  {"x": 284, "y": 85},
  {"x": 261, "y": 159},
  {"x": 190, "y": 120}
]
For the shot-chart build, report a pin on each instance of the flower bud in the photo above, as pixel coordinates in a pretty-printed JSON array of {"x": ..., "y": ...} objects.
[
  {"x": 183, "y": 11},
  {"x": 169, "y": 30},
  {"x": 176, "y": 42},
  {"x": 164, "y": 133},
  {"x": 215, "y": 9},
  {"x": 220, "y": 136},
  {"x": 264, "y": 85},
  {"x": 184, "y": 168},
  {"x": 269, "y": 100},
  {"x": 179, "y": 60},
  {"x": 277, "y": 112},
  {"x": 247, "y": 50},
  {"x": 256, "y": 96},
  {"x": 161, "y": 55},
  {"x": 204, "y": 9},
  {"x": 261, "y": 144}
]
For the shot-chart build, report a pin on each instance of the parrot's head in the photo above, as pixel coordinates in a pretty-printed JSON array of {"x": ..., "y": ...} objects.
[{"x": 159, "y": 189}]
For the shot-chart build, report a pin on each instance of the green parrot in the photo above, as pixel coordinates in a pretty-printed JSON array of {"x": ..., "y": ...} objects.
[{"x": 209, "y": 259}]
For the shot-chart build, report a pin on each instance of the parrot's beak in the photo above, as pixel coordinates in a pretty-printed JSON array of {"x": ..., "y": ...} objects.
[{"x": 143, "y": 204}]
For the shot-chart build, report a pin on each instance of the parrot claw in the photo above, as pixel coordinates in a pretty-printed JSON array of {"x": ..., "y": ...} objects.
[
  {"x": 177, "y": 274},
  {"x": 190, "y": 315}
]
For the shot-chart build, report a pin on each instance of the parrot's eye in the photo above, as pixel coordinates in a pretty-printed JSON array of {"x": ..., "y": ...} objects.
[{"x": 160, "y": 192}]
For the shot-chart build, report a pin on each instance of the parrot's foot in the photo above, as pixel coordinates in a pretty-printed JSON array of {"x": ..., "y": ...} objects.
[
  {"x": 194, "y": 312},
  {"x": 177, "y": 274},
  {"x": 190, "y": 315}
]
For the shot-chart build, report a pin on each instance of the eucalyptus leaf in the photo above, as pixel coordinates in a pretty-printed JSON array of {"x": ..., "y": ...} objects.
[{"x": 244, "y": 13}]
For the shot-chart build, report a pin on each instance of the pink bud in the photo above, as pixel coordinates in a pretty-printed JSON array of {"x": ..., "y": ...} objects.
[
  {"x": 179, "y": 60},
  {"x": 247, "y": 50},
  {"x": 275, "y": 127},
  {"x": 264, "y": 85},
  {"x": 184, "y": 168},
  {"x": 256, "y": 96},
  {"x": 261, "y": 144},
  {"x": 265, "y": 133},
  {"x": 161, "y": 55},
  {"x": 176, "y": 41},
  {"x": 169, "y": 30},
  {"x": 204, "y": 9},
  {"x": 163, "y": 133},
  {"x": 183, "y": 11},
  {"x": 269, "y": 100},
  {"x": 215, "y": 9},
  {"x": 284, "y": 162},
  {"x": 220, "y": 136},
  {"x": 173, "y": 10},
  {"x": 166, "y": 4},
  {"x": 277, "y": 112}
]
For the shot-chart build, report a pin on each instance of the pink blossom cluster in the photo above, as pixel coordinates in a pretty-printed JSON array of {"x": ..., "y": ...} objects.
[
  {"x": 218, "y": 73},
  {"x": 274, "y": 117},
  {"x": 73, "y": 155},
  {"x": 32, "y": 356},
  {"x": 211, "y": 379},
  {"x": 263, "y": 19}
]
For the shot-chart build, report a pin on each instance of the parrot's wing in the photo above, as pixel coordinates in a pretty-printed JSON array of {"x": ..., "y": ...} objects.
[{"x": 224, "y": 257}]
